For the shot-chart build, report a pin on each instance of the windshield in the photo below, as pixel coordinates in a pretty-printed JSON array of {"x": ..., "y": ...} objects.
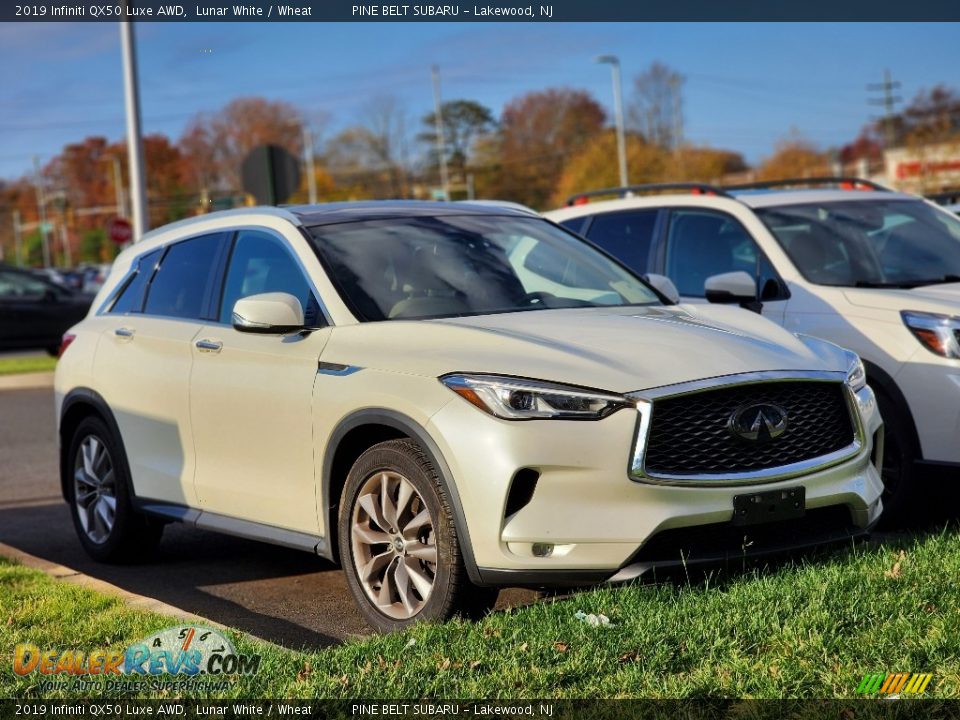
[
  {"x": 415, "y": 267},
  {"x": 882, "y": 243}
]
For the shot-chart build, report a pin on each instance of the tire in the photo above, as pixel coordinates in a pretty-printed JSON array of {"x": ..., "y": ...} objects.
[
  {"x": 411, "y": 554},
  {"x": 53, "y": 350},
  {"x": 900, "y": 492},
  {"x": 99, "y": 478}
]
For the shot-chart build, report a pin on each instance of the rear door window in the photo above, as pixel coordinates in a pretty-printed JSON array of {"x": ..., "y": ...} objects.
[
  {"x": 183, "y": 283},
  {"x": 625, "y": 235}
]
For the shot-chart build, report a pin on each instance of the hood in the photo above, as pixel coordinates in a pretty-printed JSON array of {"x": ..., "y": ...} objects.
[
  {"x": 929, "y": 298},
  {"x": 616, "y": 349}
]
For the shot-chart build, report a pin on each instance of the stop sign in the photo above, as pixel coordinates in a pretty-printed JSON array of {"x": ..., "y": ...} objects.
[{"x": 120, "y": 230}]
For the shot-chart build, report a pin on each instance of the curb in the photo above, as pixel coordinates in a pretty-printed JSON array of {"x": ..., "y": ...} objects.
[
  {"x": 66, "y": 574},
  {"x": 24, "y": 381}
]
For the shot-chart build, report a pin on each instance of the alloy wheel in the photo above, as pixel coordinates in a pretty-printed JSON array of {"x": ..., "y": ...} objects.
[
  {"x": 394, "y": 545},
  {"x": 94, "y": 489}
]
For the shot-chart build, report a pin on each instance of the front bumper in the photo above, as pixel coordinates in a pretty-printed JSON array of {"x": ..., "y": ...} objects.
[{"x": 588, "y": 508}]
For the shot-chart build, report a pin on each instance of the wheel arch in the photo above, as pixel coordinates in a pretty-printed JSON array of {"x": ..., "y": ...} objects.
[
  {"x": 361, "y": 430},
  {"x": 78, "y": 404},
  {"x": 880, "y": 381}
]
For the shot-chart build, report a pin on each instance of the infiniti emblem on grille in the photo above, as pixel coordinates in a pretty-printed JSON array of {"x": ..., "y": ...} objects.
[{"x": 758, "y": 422}]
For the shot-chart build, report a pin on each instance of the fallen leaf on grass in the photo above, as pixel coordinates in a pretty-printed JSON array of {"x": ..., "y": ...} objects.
[
  {"x": 896, "y": 571},
  {"x": 305, "y": 673},
  {"x": 627, "y": 657},
  {"x": 560, "y": 647},
  {"x": 10, "y": 621},
  {"x": 444, "y": 665},
  {"x": 474, "y": 664},
  {"x": 523, "y": 648},
  {"x": 344, "y": 680}
]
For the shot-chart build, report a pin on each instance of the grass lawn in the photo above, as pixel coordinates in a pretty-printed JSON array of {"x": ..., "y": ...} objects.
[
  {"x": 810, "y": 629},
  {"x": 16, "y": 365}
]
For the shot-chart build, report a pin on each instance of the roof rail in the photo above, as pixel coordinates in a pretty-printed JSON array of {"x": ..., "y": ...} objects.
[
  {"x": 944, "y": 198},
  {"x": 694, "y": 187},
  {"x": 846, "y": 183}
]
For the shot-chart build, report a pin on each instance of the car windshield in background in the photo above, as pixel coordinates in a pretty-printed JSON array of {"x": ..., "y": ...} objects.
[
  {"x": 882, "y": 243},
  {"x": 409, "y": 268}
]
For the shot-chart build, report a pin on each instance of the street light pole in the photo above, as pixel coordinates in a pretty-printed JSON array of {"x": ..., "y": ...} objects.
[
  {"x": 441, "y": 140},
  {"x": 42, "y": 212},
  {"x": 138, "y": 186},
  {"x": 308, "y": 161},
  {"x": 614, "y": 62}
]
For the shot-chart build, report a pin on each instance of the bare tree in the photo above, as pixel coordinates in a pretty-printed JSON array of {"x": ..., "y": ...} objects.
[
  {"x": 376, "y": 150},
  {"x": 656, "y": 110}
]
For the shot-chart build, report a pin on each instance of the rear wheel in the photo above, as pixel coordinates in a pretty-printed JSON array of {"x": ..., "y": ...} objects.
[
  {"x": 899, "y": 479},
  {"x": 99, "y": 495},
  {"x": 399, "y": 545}
]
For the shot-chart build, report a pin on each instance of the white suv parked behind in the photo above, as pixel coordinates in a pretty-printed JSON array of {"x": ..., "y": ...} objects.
[
  {"x": 857, "y": 264},
  {"x": 447, "y": 398}
]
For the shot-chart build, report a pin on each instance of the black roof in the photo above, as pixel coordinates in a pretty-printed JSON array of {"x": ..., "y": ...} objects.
[{"x": 354, "y": 211}]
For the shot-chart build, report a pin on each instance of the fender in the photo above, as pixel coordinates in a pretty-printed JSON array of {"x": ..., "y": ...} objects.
[
  {"x": 879, "y": 379},
  {"x": 91, "y": 398},
  {"x": 412, "y": 429}
]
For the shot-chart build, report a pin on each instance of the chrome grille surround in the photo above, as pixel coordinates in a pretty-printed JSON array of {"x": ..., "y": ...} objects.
[{"x": 645, "y": 401}]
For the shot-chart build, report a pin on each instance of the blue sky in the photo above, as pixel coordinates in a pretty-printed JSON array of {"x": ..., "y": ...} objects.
[{"x": 747, "y": 84}]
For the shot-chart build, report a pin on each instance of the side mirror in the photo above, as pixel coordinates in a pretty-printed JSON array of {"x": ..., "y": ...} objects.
[
  {"x": 664, "y": 286},
  {"x": 733, "y": 287},
  {"x": 274, "y": 313}
]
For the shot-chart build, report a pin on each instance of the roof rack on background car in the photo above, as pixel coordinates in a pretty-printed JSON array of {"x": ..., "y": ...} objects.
[
  {"x": 845, "y": 183},
  {"x": 694, "y": 187}
]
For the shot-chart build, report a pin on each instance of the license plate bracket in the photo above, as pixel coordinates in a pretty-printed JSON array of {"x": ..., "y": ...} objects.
[{"x": 770, "y": 506}]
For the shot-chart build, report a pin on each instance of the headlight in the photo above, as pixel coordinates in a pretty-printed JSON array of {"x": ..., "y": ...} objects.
[
  {"x": 517, "y": 399},
  {"x": 939, "y": 334},
  {"x": 856, "y": 374}
]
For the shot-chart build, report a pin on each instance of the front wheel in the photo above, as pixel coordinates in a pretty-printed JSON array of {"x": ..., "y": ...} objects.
[
  {"x": 398, "y": 541},
  {"x": 899, "y": 479}
]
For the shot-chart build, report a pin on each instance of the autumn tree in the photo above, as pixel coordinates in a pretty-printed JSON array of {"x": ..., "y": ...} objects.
[
  {"x": 794, "y": 157},
  {"x": 463, "y": 122},
  {"x": 933, "y": 116},
  {"x": 539, "y": 131},
  {"x": 594, "y": 166},
  {"x": 656, "y": 109},
  {"x": 215, "y": 144}
]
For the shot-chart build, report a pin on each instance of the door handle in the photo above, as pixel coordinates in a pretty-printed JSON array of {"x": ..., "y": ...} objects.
[
  {"x": 124, "y": 332},
  {"x": 210, "y": 346}
]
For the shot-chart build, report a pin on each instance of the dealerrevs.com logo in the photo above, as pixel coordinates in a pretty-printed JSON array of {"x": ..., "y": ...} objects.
[
  {"x": 199, "y": 658},
  {"x": 898, "y": 684}
]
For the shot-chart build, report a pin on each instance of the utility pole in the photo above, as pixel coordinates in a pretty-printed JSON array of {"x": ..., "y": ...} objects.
[
  {"x": 138, "y": 185},
  {"x": 308, "y": 163},
  {"x": 614, "y": 62},
  {"x": 17, "y": 243},
  {"x": 441, "y": 139},
  {"x": 888, "y": 102},
  {"x": 677, "y": 110},
  {"x": 118, "y": 187},
  {"x": 41, "y": 211}
]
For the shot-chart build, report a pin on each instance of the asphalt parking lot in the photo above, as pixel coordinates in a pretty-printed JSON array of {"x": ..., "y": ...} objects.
[{"x": 285, "y": 596}]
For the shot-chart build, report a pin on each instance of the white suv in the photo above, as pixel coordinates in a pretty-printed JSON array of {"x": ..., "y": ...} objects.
[
  {"x": 857, "y": 264},
  {"x": 447, "y": 398}
]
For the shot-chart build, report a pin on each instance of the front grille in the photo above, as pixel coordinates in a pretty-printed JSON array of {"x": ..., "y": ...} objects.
[
  {"x": 726, "y": 541},
  {"x": 689, "y": 433}
]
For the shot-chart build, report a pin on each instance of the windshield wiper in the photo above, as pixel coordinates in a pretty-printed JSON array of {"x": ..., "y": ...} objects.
[
  {"x": 949, "y": 278},
  {"x": 871, "y": 284}
]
